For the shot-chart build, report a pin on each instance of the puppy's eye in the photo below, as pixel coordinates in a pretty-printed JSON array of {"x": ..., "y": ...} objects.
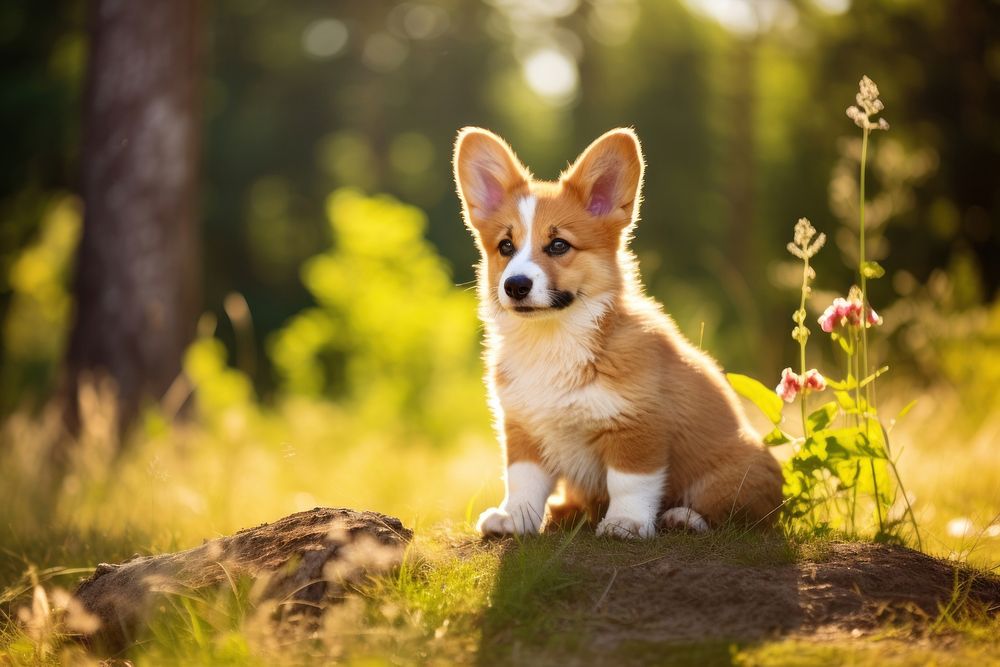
[
  {"x": 558, "y": 247},
  {"x": 506, "y": 247}
]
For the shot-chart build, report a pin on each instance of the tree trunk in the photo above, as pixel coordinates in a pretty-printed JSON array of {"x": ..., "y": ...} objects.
[{"x": 137, "y": 269}]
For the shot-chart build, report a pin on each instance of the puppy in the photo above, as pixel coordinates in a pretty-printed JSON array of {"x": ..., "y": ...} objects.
[{"x": 591, "y": 382}]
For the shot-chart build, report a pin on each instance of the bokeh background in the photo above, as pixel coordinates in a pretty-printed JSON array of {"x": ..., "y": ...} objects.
[{"x": 333, "y": 355}]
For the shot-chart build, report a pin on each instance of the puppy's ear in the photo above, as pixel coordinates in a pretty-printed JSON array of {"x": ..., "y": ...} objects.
[
  {"x": 486, "y": 171},
  {"x": 607, "y": 177}
]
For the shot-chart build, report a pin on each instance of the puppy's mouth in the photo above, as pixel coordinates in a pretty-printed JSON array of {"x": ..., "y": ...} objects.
[
  {"x": 558, "y": 300},
  {"x": 561, "y": 299}
]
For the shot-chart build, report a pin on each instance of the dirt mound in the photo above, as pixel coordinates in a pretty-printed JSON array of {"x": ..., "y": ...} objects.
[
  {"x": 305, "y": 559},
  {"x": 852, "y": 589}
]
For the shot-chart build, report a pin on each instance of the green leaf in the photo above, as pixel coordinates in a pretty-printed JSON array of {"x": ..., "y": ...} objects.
[
  {"x": 838, "y": 384},
  {"x": 872, "y": 270},
  {"x": 842, "y": 444},
  {"x": 845, "y": 344},
  {"x": 902, "y": 413},
  {"x": 842, "y": 385},
  {"x": 776, "y": 437},
  {"x": 871, "y": 378},
  {"x": 822, "y": 417},
  {"x": 848, "y": 472},
  {"x": 876, "y": 439},
  {"x": 845, "y": 400},
  {"x": 847, "y": 403},
  {"x": 906, "y": 408},
  {"x": 764, "y": 398}
]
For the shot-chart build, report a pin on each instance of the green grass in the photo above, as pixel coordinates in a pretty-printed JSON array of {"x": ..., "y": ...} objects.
[
  {"x": 893, "y": 653},
  {"x": 459, "y": 600}
]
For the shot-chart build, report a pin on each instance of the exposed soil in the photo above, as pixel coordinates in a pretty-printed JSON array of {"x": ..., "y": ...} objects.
[{"x": 852, "y": 590}]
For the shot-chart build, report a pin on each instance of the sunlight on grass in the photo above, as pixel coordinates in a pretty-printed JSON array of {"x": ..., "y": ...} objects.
[
  {"x": 178, "y": 486},
  {"x": 951, "y": 466}
]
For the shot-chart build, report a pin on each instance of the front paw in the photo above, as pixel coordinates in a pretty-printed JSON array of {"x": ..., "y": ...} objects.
[
  {"x": 499, "y": 522},
  {"x": 626, "y": 528}
]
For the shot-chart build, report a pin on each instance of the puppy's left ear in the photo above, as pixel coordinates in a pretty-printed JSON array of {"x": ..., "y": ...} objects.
[{"x": 608, "y": 177}]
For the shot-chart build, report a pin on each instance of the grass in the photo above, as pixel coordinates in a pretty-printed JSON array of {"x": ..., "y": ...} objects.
[
  {"x": 455, "y": 599},
  {"x": 796, "y": 653}
]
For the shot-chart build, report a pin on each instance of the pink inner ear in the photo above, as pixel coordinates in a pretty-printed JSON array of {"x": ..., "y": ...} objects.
[
  {"x": 602, "y": 194},
  {"x": 492, "y": 193}
]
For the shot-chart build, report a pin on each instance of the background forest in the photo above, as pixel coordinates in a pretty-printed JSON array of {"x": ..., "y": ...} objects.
[
  {"x": 741, "y": 122},
  {"x": 328, "y": 351}
]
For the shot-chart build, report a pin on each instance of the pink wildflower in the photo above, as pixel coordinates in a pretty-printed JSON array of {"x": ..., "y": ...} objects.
[
  {"x": 814, "y": 380},
  {"x": 833, "y": 314},
  {"x": 790, "y": 385},
  {"x": 846, "y": 313}
]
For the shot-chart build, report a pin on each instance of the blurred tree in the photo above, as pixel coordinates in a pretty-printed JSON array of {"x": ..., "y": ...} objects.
[{"x": 137, "y": 280}]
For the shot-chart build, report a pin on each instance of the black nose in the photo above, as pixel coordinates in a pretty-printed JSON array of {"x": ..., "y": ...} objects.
[{"x": 517, "y": 287}]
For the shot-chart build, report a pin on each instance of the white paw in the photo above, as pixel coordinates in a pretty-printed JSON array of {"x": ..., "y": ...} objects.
[
  {"x": 683, "y": 518},
  {"x": 625, "y": 528},
  {"x": 499, "y": 522}
]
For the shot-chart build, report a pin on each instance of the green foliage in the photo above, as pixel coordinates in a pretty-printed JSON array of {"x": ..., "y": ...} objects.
[
  {"x": 761, "y": 396},
  {"x": 390, "y": 334},
  {"x": 822, "y": 417},
  {"x": 828, "y": 468},
  {"x": 219, "y": 387},
  {"x": 776, "y": 437},
  {"x": 843, "y": 460},
  {"x": 38, "y": 316}
]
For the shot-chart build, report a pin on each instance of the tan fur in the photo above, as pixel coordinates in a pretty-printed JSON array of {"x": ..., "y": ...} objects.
[{"x": 608, "y": 381}]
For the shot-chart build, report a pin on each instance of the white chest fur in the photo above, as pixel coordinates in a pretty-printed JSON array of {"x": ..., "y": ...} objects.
[{"x": 552, "y": 392}]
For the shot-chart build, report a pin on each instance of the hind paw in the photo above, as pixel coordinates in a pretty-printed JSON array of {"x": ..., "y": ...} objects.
[{"x": 683, "y": 518}]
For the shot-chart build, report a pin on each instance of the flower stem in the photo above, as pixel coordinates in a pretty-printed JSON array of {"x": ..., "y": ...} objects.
[
  {"x": 865, "y": 307},
  {"x": 855, "y": 370},
  {"x": 803, "y": 337}
]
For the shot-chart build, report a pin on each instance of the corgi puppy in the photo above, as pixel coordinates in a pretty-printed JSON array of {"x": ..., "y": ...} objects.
[{"x": 591, "y": 382}]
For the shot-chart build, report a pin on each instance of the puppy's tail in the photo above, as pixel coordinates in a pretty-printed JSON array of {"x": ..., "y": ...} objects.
[{"x": 746, "y": 490}]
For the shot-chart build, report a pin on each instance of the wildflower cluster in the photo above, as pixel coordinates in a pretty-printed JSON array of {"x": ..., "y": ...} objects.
[
  {"x": 848, "y": 312},
  {"x": 868, "y": 105},
  {"x": 805, "y": 244},
  {"x": 843, "y": 455}
]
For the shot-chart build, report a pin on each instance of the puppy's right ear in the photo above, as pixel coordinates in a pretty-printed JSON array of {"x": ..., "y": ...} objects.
[{"x": 486, "y": 171}]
